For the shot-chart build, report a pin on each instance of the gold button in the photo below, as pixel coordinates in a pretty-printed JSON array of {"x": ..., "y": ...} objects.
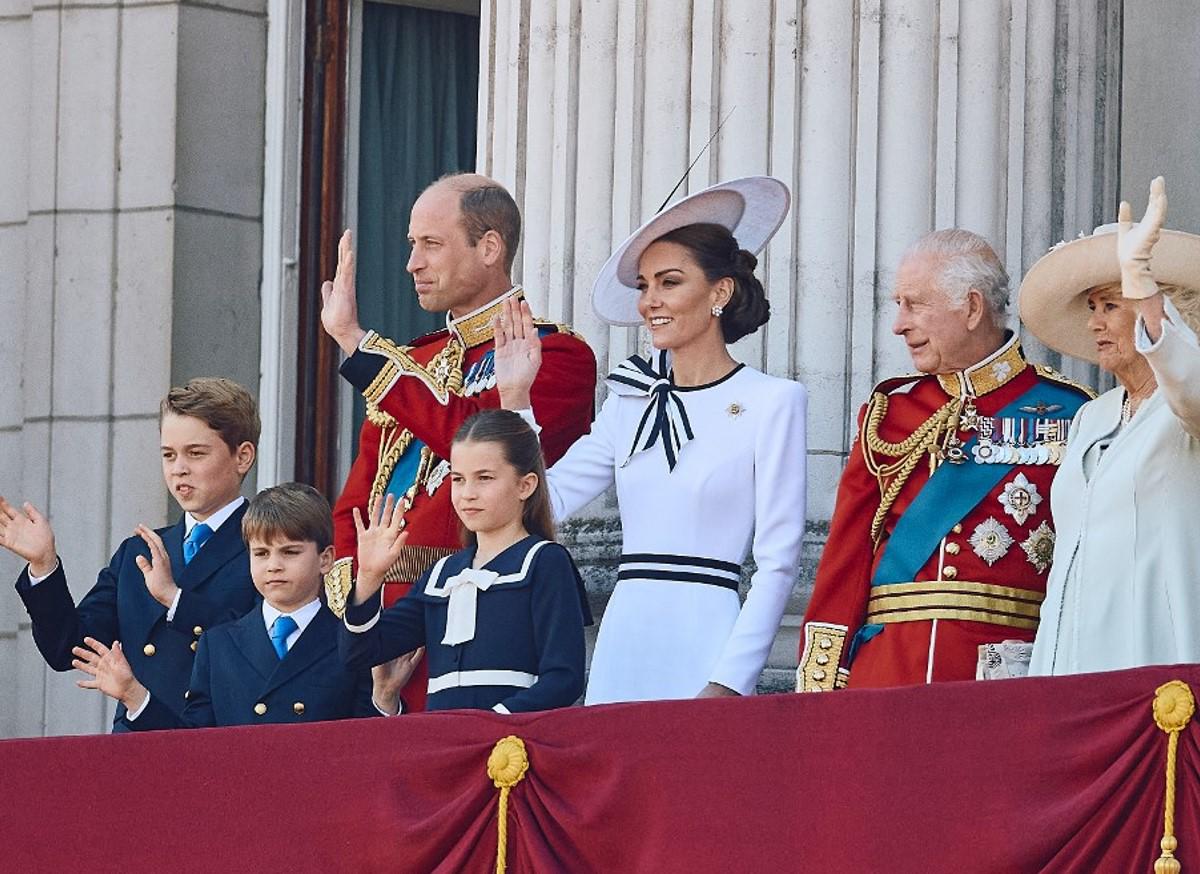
[
  {"x": 299, "y": 708},
  {"x": 826, "y": 643},
  {"x": 194, "y": 645},
  {"x": 260, "y": 708},
  {"x": 818, "y": 675},
  {"x": 950, "y": 572},
  {"x": 822, "y": 659},
  {"x": 197, "y": 631},
  {"x": 953, "y": 548},
  {"x": 957, "y": 529},
  {"x": 148, "y": 649}
]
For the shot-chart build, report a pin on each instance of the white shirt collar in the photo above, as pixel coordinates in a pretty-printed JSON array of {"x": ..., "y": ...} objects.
[
  {"x": 216, "y": 519},
  {"x": 303, "y": 617}
]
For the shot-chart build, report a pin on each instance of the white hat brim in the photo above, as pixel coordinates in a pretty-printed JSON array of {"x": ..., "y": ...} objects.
[
  {"x": 752, "y": 208},
  {"x": 1053, "y": 296}
]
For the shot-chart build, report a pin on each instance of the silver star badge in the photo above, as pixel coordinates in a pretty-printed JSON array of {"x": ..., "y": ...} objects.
[
  {"x": 991, "y": 541},
  {"x": 1020, "y": 498}
]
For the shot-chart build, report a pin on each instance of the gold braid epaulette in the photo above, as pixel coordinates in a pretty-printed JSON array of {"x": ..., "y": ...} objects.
[
  {"x": 378, "y": 417},
  {"x": 907, "y": 454},
  {"x": 1054, "y": 376}
]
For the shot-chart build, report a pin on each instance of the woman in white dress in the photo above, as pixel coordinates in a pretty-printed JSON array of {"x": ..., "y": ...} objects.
[
  {"x": 1124, "y": 590},
  {"x": 707, "y": 454}
]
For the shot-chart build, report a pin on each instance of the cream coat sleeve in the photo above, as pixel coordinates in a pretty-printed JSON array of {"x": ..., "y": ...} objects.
[
  {"x": 780, "y": 454},
  {"x": 1175, "y": 359}
]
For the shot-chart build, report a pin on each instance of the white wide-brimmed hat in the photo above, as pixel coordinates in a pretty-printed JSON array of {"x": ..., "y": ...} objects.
[
  {"x": 752, "y": 209},
  {"x": 1053, "y": 296}
]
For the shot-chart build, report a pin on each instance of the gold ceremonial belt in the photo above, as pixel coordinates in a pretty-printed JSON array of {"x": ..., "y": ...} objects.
[
  {"x": 959, "y": 599},
  {"x": 414, "y": 561}
]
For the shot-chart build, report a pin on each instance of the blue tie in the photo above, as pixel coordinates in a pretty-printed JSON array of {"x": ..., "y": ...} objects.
[
  {"x": 196, "y": 538},
  {"x": 280, "y": 630}
]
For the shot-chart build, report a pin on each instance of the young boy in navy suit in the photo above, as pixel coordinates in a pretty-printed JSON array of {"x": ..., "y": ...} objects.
[
  {"x": 162, "y": 589},
  {"x": 279, "y": 662}
]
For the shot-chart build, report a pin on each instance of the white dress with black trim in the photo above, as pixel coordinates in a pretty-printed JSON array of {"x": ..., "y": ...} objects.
[{"x": 703, "y": 475}]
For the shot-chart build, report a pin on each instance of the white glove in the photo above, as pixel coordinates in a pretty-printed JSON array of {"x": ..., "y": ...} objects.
[{"x": 1135, "y": 243}]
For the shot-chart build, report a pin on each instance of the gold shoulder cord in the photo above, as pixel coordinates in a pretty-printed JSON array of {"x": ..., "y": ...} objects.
[{"x": 931, "y": 437}]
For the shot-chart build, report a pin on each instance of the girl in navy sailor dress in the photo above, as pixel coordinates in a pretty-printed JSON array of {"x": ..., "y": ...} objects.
[{"x": 502, "y": 620}]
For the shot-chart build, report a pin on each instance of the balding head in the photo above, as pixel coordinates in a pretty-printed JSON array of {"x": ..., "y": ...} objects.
[{"x": 485, "y": 205}]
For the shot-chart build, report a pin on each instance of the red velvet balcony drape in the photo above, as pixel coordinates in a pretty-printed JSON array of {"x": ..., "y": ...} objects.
[{"x": 1062, "y": 775}]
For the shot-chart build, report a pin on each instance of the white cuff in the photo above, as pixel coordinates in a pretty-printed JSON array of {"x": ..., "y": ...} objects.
[
  {"x": 174, "y": 604},
  {"x": 131, "y": 716},
  {"x": 366, "y": 626},
  {"x": 382, "y": 712},
  {"x": 500, "y": 708},
  {"x": 527, "y": 415},
  {"x": 33, "y": 581}
]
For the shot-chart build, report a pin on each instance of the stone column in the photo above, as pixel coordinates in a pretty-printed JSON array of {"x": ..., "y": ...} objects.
[
  {"x": 887, "y": 118},
  {"x": 130, "y": 253}
]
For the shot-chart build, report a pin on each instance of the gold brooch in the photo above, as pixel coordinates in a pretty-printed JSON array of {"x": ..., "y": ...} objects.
[{"x": 735, "y": 409}]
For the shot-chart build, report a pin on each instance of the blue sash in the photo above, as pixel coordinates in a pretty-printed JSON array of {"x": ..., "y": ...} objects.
[
  {"x": 953, "y": 490},
  {"x": 404, "y": 474}
]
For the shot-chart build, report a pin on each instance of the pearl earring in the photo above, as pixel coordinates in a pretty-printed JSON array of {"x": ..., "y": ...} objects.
[{"x": 717, "y": 310}]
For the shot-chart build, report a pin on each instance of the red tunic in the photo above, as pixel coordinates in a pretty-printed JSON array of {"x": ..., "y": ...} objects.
[
  {"x": 417, "y": 397},
  {"x": 984, "y": 579}
]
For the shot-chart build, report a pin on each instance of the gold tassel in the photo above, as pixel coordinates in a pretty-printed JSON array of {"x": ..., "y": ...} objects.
[
  {"x": 506, "y": 766},
  {"x": 1173, "y": 709}
]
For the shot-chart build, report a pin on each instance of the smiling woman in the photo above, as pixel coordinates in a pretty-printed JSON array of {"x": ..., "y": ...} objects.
[{"x": 707, "y": 454}]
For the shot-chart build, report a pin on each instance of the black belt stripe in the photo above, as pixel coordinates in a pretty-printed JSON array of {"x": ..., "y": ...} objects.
[
  {"x": 691, "y": 560},
  {"x": 677, "y": 577}
]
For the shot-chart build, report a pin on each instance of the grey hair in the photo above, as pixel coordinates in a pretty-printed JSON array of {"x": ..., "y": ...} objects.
[{"x": 967, "y": 261}]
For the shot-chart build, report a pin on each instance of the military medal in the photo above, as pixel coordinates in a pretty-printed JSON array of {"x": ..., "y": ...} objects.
[
  {"x": 1039, "y": 547},
  {"x": 991, "y": 540},
  {"x": 1020, "y": 498}
]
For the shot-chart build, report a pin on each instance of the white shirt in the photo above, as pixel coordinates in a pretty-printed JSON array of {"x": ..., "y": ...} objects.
[
  {"x": 189, "y": 521},
  {"x": 303, "y": 616}
]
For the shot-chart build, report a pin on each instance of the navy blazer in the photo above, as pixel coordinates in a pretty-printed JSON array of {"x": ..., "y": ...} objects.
[
  {"x": 238, "y": 679},
  {"x": 215, "y": 588},
  {"x": 528, "y": 629}
]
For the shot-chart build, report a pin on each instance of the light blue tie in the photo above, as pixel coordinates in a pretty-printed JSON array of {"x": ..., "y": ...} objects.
[
  {"x": 196, "y": 538},
  {"x": 282, "y": 627}
]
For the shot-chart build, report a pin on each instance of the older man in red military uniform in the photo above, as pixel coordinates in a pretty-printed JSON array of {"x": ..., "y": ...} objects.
[
  {"x": 941, "y": 537},
  {"x": 464, "y": 230}
]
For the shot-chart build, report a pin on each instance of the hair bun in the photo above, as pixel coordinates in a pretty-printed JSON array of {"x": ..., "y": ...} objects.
[{"x": 744, "y": 261}]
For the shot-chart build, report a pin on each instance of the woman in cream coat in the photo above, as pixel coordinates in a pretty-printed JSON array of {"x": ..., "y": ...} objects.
[{"x": 1125, "y": 586}]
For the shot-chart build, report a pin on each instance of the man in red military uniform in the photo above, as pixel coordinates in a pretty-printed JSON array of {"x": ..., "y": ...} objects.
[
  {"x": 941, "y": 537},
  {"x": 464, "y": 230}
]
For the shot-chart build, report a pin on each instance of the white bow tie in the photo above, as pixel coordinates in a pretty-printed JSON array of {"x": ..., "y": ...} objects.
[{"x": 464, "y": 589}]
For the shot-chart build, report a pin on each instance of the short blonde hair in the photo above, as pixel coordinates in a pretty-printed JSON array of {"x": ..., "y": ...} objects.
[
  {"x": 1187, "y": 301},
  {"x": 292, "y": 511},
  {"x": 221, "y": 404}
]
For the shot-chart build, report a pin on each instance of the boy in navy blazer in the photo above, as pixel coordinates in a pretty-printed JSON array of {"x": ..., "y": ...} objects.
[
  {"x": 278, "y": 663},
  {"x": 163, "y": 588}
]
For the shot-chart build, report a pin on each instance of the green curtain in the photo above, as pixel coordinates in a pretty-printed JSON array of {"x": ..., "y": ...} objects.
[{"x": 419, "y": 94}]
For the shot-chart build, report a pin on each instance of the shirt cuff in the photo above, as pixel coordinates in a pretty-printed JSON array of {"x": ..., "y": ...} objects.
[
  {"x": 527, "y": 415},
  {"x": 33, "y": 581},
  {"x": 500, "y": 708},
  {"x": 132, "y": 715},
  {"x": 382, "y": 712},
  {"x": 174, "y": 605}
]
